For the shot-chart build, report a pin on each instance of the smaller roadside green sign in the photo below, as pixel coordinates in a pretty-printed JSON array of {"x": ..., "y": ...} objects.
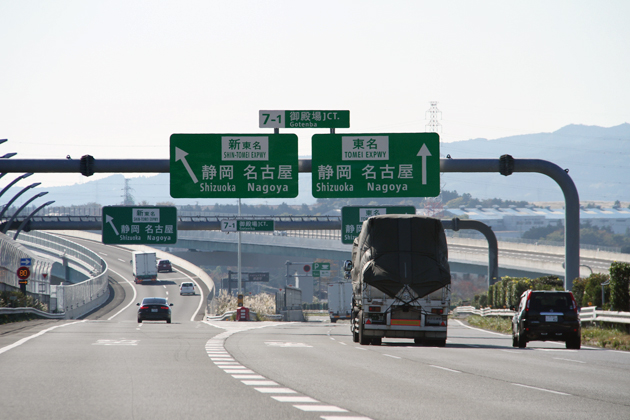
[
  {"x": 139, "y": 225},
  {"x": 303, "y": 119},
  {"x": 352, "y": 218},
  {"x": 321, "y": 269},
  {"x": 247, "y": 225}
]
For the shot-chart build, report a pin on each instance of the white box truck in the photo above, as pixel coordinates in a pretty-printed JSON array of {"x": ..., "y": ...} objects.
[
  {"x": 400, "y": 280},
  {"x": 339, "y": 300},
  {"x": 144, "y": 266}
]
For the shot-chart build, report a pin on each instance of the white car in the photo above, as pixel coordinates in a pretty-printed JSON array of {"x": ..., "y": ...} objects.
[{"x": 187, "y": 288}]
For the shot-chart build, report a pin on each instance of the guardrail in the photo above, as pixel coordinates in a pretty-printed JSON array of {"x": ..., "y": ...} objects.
[
  {"x": 12, "y": 311},
  {"x": 587, "y": 314}
]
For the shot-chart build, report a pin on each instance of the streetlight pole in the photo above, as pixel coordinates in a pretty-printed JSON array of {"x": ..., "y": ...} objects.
[
  {"x": 26, "y": 203},
  {"x": 25, "y": 221},
  {"x": 6, "y": 206}
]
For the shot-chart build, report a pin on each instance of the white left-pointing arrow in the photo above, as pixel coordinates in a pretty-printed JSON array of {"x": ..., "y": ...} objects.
[
  {"x": 424, "y": 152},
  {"x": 181, "y": 155},
  {"x": 109, "y": 219}
]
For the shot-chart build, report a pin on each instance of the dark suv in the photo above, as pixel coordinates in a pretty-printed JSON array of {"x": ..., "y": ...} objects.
[{"x": 546, "y": 316}]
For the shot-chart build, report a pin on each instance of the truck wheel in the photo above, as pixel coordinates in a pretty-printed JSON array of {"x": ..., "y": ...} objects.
[
  {"x": 440, "y": 342},
  {"x": 574, "y": 343},
  {"x": 363, "y": 340},
  {"x": 514, "y": 340},
  {"x": 333, "y": 320},
  {"x": 522, "y": 343},
  {"x": 418, "y": 341},
  {"x": 354, "y": 330}
]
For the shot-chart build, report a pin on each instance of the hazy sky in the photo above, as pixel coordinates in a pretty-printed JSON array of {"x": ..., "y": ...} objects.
[{"x": 115, "y": 79}]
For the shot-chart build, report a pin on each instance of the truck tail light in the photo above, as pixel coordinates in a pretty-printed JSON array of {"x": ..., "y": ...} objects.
[
  {"x": 374, "y": 309},
  {"x": 438, "y": 311}
]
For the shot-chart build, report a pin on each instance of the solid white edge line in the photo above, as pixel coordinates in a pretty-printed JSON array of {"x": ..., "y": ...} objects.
[
  {"x": 200, "y": 294},
  {"x": 25, "y": 339},
  {"x": 135, "y": 294},
  {"x": 479, "y": 329}
]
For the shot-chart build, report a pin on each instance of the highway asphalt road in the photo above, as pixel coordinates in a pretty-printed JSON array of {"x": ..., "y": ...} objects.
[{"x": 110, "y": 367}]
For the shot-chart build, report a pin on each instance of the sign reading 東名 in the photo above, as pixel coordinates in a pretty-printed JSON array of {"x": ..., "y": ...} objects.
[
  {"x": 304, "y": 119},
  {"x": 321, "y": 269},
  {"x": 139, "y": 225},
  {"x": 253, "y": 225},
  {"x": 234, "y": 166},
  {"x": 376, "y": 165},
  {"x": 352, "y": 218}
]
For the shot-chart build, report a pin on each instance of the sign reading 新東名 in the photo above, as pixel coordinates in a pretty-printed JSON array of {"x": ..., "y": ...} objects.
[
  {"x": 234, "y": 166},
  {"x": 139, "y": 225},
  {"x": 247, "y": 225},
  {"x": 321, "y": 269},
  {"x": 376, "y": 165},
  {"x": 352, "y": 218},
  {"x": 304, "y": 119}
]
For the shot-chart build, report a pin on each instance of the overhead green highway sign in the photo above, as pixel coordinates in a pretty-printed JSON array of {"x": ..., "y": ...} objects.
[
  {"x": 321, "y": 269},
  {"x": 352, "y": 218},
  {"x": 376, "y": 165},
  {"x": 139, "y": 225},
  {"x": 234, "y": 165},
  {"x": 247, "y": 225},
  {"x": 304, "y": 119}
]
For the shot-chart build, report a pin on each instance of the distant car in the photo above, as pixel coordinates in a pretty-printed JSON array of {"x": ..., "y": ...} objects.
[
  {"x": 187, "y": 288},
  {"x": 164, "y": 265},
  {"x": 154, "y": 309},
  {"x": 546, "y": 316}
]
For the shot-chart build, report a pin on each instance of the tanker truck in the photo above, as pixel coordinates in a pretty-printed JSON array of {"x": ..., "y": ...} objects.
[{"x": 400, "y": 280}]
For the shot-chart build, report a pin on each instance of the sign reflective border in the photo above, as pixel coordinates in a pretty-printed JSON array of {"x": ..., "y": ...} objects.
[{"x": 303, "y": 119}]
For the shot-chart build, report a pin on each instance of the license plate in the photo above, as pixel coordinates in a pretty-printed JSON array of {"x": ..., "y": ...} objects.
[
  {"x": 551, "y": 318},
  {"x": 153, "y": 310}
]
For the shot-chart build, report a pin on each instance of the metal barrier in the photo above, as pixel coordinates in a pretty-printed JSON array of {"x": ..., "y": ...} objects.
[
  {"x": 587, "y": 314},
  {"x": 12, "y": 255}
]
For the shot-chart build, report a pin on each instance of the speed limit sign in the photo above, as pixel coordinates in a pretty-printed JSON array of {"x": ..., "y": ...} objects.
[{"x": 23, "y": 274}]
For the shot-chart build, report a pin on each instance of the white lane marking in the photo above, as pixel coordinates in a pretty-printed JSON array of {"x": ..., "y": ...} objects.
[
  {"x": 393, "y": 357},
  {"x": 116, "y": 343},
  {"x": 479, "y": 329},
  {"x": 562, "y": 350},
  {"x": 135, "y": 294},
  {"x": 325, "y": 408},
  {"x": 25, "y": 339},
  {"x": 569, "y": 360},
  {"x": 294, "y": 399},
  {"x": 285, "y": 344},
  {"x": 239, "y": 371},
  {"x": 164, "y": 286},
  {"x": 120, "y": 259},
  {"x": 248, "y": 377},
  {"x": 261, "y": 383},
  {"x": 102, "y": 253},
  {"x": 360, "y": 348},
  {"x": 342, "y": 343},
  {"x": 344, "y": 418},
  {"x": 444, "y": 368},
  {"x": 276, "y": 390},
  {"x": 542, "y": 389}
]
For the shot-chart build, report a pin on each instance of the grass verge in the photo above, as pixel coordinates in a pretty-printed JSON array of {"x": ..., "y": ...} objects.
[{"x": 592, "y": 335}]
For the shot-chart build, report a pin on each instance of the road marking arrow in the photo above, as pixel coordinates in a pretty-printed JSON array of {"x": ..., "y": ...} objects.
[
  {"x": 109, "y": 219},
  {"x": 424, "y": 152},
  {"x": 181, "y": 155}
]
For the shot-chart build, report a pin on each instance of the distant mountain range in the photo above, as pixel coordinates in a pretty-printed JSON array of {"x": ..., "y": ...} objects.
[{"x": 598, "y": 160}]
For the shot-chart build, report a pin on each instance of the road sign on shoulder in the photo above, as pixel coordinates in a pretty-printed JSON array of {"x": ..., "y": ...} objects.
[
  {"x": 26, "y": 262},
  {"x": 376, "y": 165},
  {"x": 321, "y": 269},
  {"x": 304, "y": 119},
  {"x": 23, "y": 274},
  {"x": 139, "y": 225},
  {"x": 352, "y": 218},
  {"x": 247, "y": 225},
  {"x": 234, "y": 166}
]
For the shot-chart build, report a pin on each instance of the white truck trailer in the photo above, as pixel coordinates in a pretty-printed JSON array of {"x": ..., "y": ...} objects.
[
  {"x": 339, "y": 300},
  {"x": 144, "y": 266},
  {"x": 401, "y": 280}
]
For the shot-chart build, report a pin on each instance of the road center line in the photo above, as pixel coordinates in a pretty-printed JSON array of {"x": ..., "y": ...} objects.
[
  {"x": 393, "y": 357},
  {"x": 444, "y": 368},
  {"x": 569, "y": 360}
]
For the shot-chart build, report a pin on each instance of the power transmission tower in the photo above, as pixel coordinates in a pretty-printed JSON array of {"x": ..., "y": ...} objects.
[
  {"x": 128, "y": 197},
  {"x": 435, "y": 114}
]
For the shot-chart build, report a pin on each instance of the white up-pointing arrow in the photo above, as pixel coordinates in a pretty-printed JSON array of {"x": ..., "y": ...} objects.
[
  {"x": 424, "y": 152},
  {"x": 181, "y": 155},
  {"x": 109, "y": 219}
]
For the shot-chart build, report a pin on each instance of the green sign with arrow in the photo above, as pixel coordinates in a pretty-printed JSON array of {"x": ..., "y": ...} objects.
[
  {"x": 234, "y": 165},
  {"x": 139, "y": 225},
  {"x": 376, "y": 165}
]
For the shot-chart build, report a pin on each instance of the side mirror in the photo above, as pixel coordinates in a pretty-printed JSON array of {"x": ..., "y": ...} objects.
[
  {"x": 347, "y": 265},
  {"x": 137, "y": 304},
  {"x": 170, "y": 304}
]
